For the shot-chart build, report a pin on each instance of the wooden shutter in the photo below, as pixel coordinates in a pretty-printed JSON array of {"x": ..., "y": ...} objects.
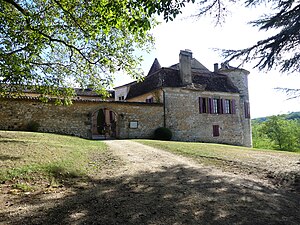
[
  {"x": 201, "y": 105},
  {"x": 210, "y": 106},
  {"x": 233, "y": 109},
  {"x": 247, "y": 109},
  {"x": 220, "y": 106},
  {"x": 223, "y": 111},
  {"x": 216, "y": 130}
]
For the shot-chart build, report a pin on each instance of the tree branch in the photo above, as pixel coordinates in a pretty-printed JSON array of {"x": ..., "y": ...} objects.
[
  {"x": 70, "y": 14},
  {"x": 18, "y": 7}
]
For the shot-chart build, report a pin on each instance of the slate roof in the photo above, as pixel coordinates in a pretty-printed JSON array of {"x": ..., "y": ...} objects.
[
  {"x": 165, "y": 77},
  {"x": 195, "y": 64},
  {"x": 155, "y": 67},
  {"x": 170, "y": 77},
  {"x": 214, "y": 82},
  {"x": 90, "y": 93}
]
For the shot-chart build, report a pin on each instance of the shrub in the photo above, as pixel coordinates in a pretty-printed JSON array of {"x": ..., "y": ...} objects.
[
  {"x": 33, "y": 126},
  {"x": 162, "y": 133}
]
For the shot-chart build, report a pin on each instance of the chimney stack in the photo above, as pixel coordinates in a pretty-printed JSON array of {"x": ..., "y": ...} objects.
[
  {"x": 216, "y": 67},
  {"x": 185, "y": 66}
]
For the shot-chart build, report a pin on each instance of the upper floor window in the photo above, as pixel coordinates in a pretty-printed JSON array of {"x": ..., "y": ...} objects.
[
  {"x": 150, "y": 100},
  {"x": 203, "y": 105},
  {"x": 121, "y": 98},
  {"x": 227, "y": 106},
  {"x": 216, "y": 105}
]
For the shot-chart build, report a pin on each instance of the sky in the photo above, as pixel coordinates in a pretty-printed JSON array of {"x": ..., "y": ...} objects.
[{"x": 202, "y": 37}]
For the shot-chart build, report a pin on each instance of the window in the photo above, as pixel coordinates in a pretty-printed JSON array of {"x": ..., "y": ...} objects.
[
  {"x": 216, "y": 105},
  {"x": 203, "y": 105},
  {"x": 121, "y": 98},
  {"x": 247, "y": 109},
  {"x": 227, "y": 106},
  {"x": 216, "y": 130},
  {"x": 149, "y": 100}
]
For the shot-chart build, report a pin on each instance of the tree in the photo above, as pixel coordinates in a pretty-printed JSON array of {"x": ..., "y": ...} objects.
[
  {"x": 46, "y": 45},
  {"x": 49, "y": 46},
  {"x": 284, "y": 133},
  {"x": 280, "y": 50}
]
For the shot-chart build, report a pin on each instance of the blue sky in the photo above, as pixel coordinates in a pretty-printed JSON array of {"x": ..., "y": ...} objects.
[{"x": 201, "y": 37}]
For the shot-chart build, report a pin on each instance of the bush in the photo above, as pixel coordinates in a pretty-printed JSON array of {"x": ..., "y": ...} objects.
[
  {"x": 162, "y": 133},
  {"x": 33, "y": 126}
]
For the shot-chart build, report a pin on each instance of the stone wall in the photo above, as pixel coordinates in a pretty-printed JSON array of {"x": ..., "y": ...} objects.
[
  {"x": 239, "y": 78},
  {"x": 15, "y": 114},
  {"x": 199, "y": 127}
]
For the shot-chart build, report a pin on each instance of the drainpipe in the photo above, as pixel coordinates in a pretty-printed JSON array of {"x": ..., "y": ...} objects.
[{"x": 164, "y": 100}]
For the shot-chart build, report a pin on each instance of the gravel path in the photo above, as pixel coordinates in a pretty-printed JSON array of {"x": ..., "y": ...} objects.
[{"x": 152, "y": 186}]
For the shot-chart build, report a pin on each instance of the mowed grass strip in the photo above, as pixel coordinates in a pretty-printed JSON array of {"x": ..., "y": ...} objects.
[
  {"x": 227, "y": 156},
  {"x": 29, "y": 158}
]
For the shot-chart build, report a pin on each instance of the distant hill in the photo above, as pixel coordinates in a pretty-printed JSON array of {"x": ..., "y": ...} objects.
[{"x": 290, "y": 116}]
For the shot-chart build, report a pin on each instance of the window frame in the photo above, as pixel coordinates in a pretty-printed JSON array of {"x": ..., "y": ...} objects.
[
  {"x": 216, "y": 130},
  {"x": 216, "y": 105},
  {"x": 150, "y": 100}
]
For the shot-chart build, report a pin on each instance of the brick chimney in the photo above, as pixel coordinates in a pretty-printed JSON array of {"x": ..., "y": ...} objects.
[{"x": 185, "y": 66}]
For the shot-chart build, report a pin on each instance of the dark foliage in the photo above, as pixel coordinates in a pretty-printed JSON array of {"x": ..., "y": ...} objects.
[
  {"x": 33, "y": 126},
  {"x": 163, "y": 133}
]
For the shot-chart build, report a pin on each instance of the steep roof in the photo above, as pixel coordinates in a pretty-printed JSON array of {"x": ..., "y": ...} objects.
[
  {"x": 169, "y": 77},
  {"x": 155, "y": 67},
  {"x": 164, "y": 77},
  {"x": 195, "y": 65}
]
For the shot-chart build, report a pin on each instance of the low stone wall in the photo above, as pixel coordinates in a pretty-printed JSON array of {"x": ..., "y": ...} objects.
[{"x": 15, "y": 114}]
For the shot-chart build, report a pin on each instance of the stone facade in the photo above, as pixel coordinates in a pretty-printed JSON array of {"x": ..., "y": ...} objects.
[
  {"x": 76, "y": 119},
  {"x": 193, "y": 102},
  {"x": 226, "y": 118},
  {"x": 199, "y": 126}
]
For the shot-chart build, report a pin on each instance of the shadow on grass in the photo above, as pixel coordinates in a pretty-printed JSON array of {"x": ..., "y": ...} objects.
[
  {"x": 174, "y": 195},
  {"x": 8, "y": 157},
  {"x": 12, "y": 141}
]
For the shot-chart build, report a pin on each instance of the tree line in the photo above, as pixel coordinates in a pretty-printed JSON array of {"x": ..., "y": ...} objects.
[
  {"x": 48, "y": 46},
  {"x": 280, "y": 132}
]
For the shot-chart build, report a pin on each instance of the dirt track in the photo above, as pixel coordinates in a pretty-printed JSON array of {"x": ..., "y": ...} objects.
[{"x": 156, "y": 187}]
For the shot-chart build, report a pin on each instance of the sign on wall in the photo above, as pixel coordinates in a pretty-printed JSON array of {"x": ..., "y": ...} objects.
[{"x": 133, "y": 124}]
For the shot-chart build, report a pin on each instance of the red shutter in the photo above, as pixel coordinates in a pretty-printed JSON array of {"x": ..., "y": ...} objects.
[
  {"x": 223, "y": 106},
  {"x": 216, "y": 130},
  {"x": 220, "y": 105},
  {"x": 200, "y": 105},
  {"x": 233, "y": 109},
  {"x": 210, "y": 105},
  {"x": 247, "y": 109}
]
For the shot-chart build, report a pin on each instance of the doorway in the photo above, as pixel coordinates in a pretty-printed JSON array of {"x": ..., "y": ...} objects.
[{"x": 104, "y": 124}]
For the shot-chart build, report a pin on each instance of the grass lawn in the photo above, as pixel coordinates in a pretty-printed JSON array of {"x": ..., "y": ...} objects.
[
  {"x": 227, "y": 156},
  {"x": 28, "y": 160}
]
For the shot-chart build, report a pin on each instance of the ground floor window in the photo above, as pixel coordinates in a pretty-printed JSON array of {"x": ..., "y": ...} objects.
[{"x": 216, "y": 130}]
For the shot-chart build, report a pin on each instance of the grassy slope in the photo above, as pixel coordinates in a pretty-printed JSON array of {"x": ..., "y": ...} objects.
[
  {"x": 28, "y": 159},
  {"x": 227, "y": 156}
]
